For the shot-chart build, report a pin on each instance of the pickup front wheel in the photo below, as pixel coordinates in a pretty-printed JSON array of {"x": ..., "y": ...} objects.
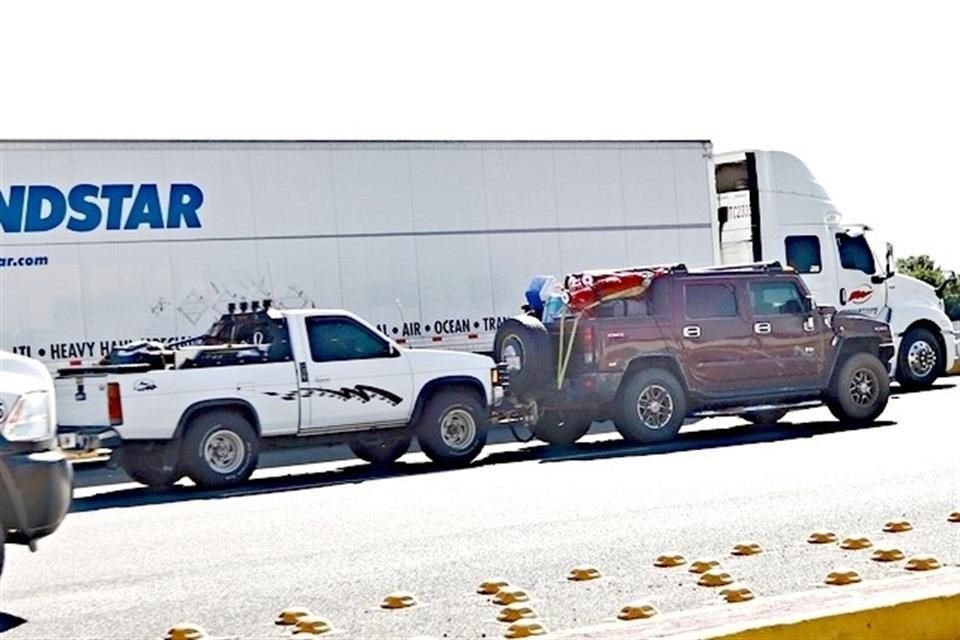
[
  {"x": 453, "y": 429},
  {"x": 652, "y": 407},
  {"x": 220, "y": 449},
  {"x": 859, "y": 391}
]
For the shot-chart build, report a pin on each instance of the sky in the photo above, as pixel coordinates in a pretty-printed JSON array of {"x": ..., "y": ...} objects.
[{"x": 866, "y": 94}]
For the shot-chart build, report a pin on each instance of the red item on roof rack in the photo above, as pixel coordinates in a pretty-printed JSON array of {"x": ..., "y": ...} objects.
[{"x": 590, "y": 288}]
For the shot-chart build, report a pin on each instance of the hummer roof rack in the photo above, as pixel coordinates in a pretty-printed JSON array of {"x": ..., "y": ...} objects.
[{"x": 772, "y": 266}]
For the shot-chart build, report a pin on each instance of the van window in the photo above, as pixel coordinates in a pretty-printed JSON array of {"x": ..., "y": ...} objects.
[
  {"x": 855, "y": 253},
  {"x": 710, "y": 301},
  {"x": 332, "y": 339},
  {"x": 803, "y": 253},
  {"x": 777, "y": 298}
]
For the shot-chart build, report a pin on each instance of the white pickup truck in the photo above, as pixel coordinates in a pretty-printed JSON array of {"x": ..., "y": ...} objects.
[{"x": 266, "y": 377}]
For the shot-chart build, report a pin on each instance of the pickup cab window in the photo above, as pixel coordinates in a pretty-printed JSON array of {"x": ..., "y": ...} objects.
[
  {"x": 710, "y": 301},
  {"x": 333, "y": 339},
  {"x": 777, "y": 298}
]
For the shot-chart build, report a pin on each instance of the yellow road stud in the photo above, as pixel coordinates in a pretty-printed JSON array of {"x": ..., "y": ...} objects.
[
  {"x": 525, "y": 629},
  {"x": 398, "y": 600},
  {"x": 185, "y": 631},
  {"x": 954, "y": 517},
  {"x": 582, "y": 572},
  {"x": 897, "y": 526},
  {"x": 509, "y": 595},
  {"x": 887, "y": 555},
  {"x": 737, "y": 593},
  {"x": 822, "y": 537},
  {"x": 637, "y": 611},
  {"x": 714, "y": 578},
  {"x": 922, "y": 563},
  {"x": 856, "y": 542},
  {"x": 492, "y": 586},
  {"x": 290, "y": 615},
  {"x": 312, "y": 624},
  {"x": 516, "y": 611},
  {"x": 746, "y": 549},
  {"x": 670, "y": 560},
  {"x": 842, "y": 576},
  {"x": 702, "y": 566}
]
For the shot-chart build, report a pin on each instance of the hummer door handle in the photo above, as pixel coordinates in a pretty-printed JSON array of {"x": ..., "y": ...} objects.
[
  {"x": 691, "y": 331},
  {"x": 761, "y": 327}
]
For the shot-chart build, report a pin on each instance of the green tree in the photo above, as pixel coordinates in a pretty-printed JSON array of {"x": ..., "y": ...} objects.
[{"x": 924, "y": 268}]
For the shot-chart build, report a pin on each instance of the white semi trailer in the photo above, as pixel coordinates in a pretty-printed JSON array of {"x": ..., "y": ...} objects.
[{"x": 107, "y": 242}]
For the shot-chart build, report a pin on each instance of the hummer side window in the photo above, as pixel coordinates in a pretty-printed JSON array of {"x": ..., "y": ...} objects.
[
  {"x": 710, "y": 301},
  {"x": 803, "y": 253},
  {"x": 855, "y": 253},
  {"x": 776, "y": 298},
  {"x": 333, "y": 339}
]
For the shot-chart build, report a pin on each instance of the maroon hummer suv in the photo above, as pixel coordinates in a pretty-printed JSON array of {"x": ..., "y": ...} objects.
[{"x": 745, "y": 341}]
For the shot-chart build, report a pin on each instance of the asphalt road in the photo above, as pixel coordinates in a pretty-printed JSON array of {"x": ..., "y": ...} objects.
[{"x": 335, "y": 538}]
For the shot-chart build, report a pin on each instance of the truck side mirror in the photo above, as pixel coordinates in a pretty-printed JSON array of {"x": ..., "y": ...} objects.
[
  {"x": 891, "y": 263},
  {"x": 948, "y": 277}
]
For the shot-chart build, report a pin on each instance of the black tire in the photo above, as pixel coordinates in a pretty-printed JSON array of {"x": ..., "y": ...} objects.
[
  {"x": 648, "y": 388},
  {"x": 380, "y": 449},
  {"x": 562, "y": 428},
  {"x": 150, "y": 464},
  {"x": 859, "y": 390},
  {"x": 770, "y": 416},
  {"x": 524, "y": 344},
  {"x": 453, "y": 428},
  {"x": 220, "y": 449},
  {"x": 919, "y": 360}
]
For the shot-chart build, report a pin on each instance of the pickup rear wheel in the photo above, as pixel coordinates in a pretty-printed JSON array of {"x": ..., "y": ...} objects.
[
  {"x": 380, "y": 449},
  {"x": 220, "y": 449},
  {"x": 562, "y": 427},
  {"x": 453, "y": 428},
  {"x": 652, "y": 407},
  {"x": 151, "y": 464},
  {"x": 859, "y": 391}
]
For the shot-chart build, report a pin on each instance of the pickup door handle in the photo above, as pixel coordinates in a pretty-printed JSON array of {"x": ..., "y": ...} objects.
[
  {"x": 761, "y": 327},
  {"x": 322, "y": 379},
  {"x": 691, "y": 331}
]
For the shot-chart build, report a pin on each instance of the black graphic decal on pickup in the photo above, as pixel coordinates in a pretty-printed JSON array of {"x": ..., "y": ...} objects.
[{"x": 363, "y": 393}]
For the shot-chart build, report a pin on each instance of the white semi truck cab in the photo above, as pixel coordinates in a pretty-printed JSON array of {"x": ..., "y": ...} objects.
[{"x": 772, "y": 208}]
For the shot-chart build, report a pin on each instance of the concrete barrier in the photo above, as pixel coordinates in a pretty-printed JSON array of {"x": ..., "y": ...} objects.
[{"x": 921, "y": 607}]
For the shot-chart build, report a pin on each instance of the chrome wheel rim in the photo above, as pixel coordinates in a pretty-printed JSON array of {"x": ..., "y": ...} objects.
[
  {"x": 223, "y": 451},
  {"x": 655, "y": 406},
  {"x": 512, "y": 353},
  {"x": 921, "y": 358},
  {"x": 863, "y": 387},
  {"x": 458, "y": 429}
]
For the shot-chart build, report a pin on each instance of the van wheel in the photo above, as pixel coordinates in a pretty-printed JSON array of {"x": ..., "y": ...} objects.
[
  {"x": 919, "y": 359},
  {"x": 380, "y": 449},
  {"x": 562, "y": 427},
  {"x": 453, "y": 429},
  {"x": 220, "y": 449},
  {"x": 770, "y": 416},
  {"x": 652, "y": 407},
  {"x": 154, "y": 465},
  {"x": 859, "y": 391}
]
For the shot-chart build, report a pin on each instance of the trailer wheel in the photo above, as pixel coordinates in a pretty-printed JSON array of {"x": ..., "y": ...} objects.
[
  {"x": 524, "y": 345},
  {"x": 154, "y": 465},
  {"x": 562, "y": 428},
  {"x": 919, "y": 360},
  {"x": 380, "y": 449},
  {"x": 652, "y": 407},
  {"x": 220, "y": 449},
  {"x": 859, "y": 391},
  {"x": 770, "y": 416},
  {"x": 453, "y": 429}
]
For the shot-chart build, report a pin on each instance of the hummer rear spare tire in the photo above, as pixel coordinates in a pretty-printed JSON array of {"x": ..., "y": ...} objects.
[{"x": 525, "y": 346}]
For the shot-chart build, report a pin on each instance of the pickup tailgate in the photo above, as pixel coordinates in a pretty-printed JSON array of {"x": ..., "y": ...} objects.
[{"x": 82, "y": 401}]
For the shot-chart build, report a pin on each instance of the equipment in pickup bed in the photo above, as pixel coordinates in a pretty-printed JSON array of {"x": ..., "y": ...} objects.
[{"x": 651, "y": 346}]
